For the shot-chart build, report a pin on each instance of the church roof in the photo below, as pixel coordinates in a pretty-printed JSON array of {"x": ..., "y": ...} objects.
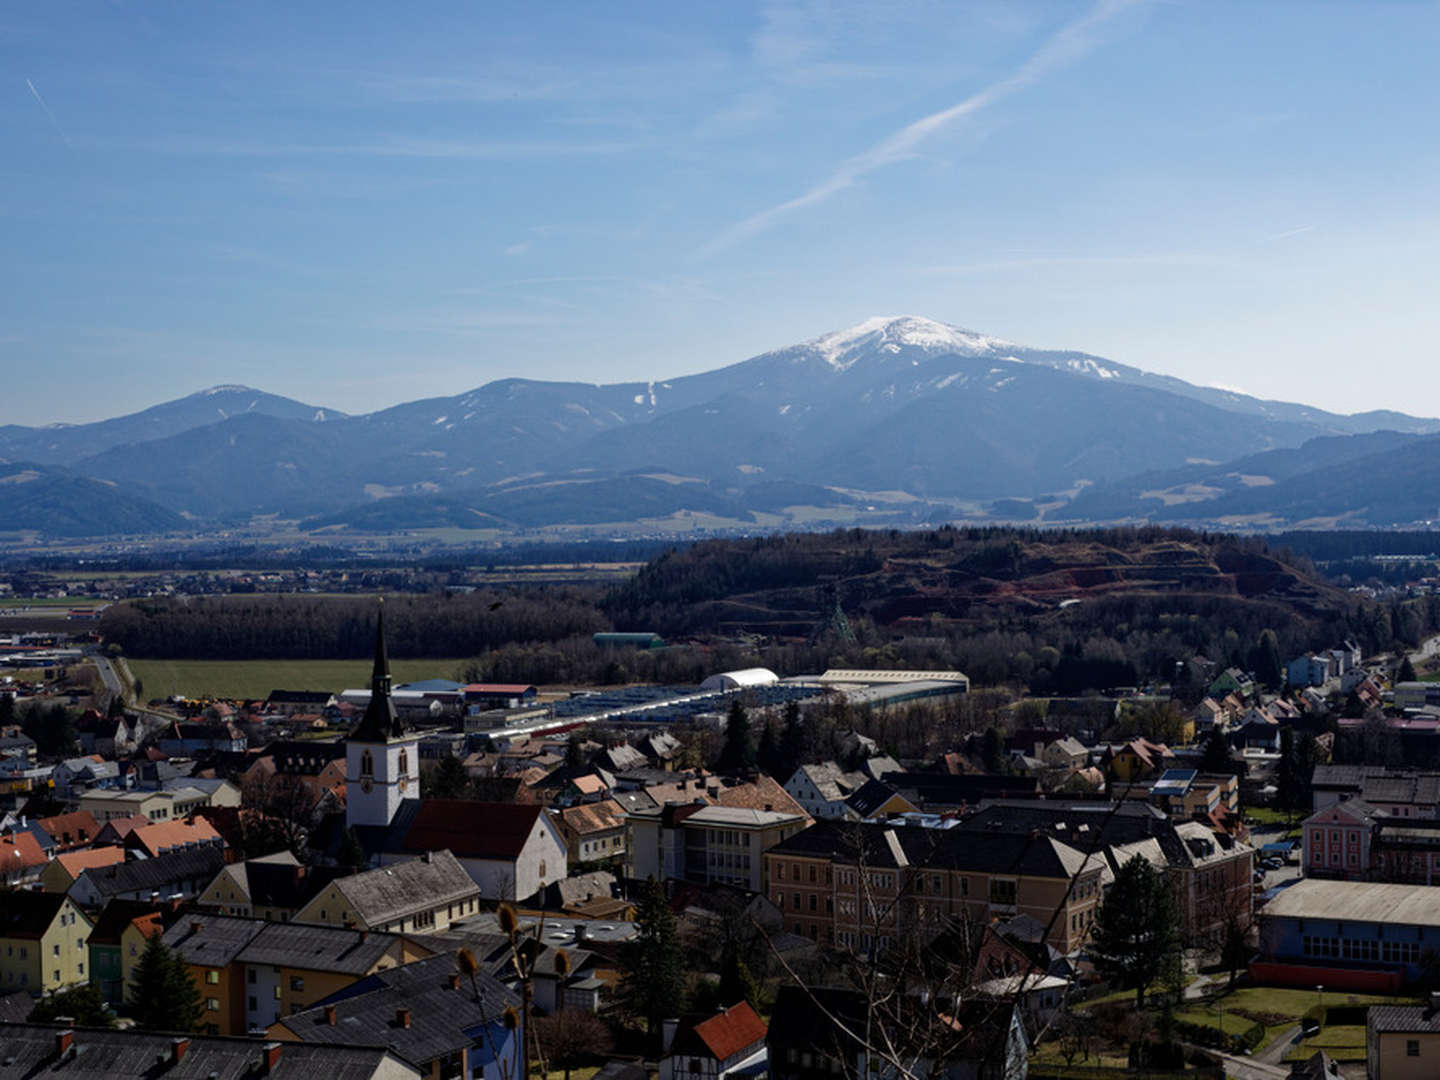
[{"x": 381, "y": 722}]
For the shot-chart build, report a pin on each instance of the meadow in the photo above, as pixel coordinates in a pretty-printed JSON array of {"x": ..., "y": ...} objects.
[{"x": 256, "y": 678}]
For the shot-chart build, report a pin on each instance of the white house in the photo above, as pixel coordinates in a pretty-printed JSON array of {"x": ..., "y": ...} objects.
[
  {"x": 822, "y": 789},
  {"x": 729, "y": 1042},
  {"x": 510, "y": 850}
]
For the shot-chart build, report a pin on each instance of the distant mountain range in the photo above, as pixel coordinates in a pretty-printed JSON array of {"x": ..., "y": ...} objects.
[{"x": 896, "y": 419}]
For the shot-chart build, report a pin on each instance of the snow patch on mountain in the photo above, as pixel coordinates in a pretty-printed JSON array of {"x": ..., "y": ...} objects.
[{"x": 891, "y": 333}]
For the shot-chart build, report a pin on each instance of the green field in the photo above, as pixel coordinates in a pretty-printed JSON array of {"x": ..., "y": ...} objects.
[{"x": 256, "y": 678}]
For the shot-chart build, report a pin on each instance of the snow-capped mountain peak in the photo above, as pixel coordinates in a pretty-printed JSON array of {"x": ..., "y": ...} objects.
[{"x": 842, "y": 348}]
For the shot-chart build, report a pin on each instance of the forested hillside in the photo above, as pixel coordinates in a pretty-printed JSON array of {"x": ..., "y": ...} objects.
[{"x": 1055, "y": 611}]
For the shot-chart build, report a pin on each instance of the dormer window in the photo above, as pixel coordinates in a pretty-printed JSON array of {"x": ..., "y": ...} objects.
[{"x": 367, "y": 764}]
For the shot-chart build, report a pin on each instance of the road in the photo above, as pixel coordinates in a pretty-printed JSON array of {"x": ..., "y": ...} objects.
[{"x": 114, "y": 685}]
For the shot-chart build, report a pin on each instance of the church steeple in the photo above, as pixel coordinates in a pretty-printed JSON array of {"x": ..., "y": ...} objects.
[{"x": 381, "y": 722}]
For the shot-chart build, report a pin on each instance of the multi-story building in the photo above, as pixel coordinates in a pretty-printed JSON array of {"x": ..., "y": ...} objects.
[
  {"x": 707, "y": 844},
  {"x": 42, "y": 942},
  {"x": 423, "y": 894},
  {"x": 860, "y": 885}
]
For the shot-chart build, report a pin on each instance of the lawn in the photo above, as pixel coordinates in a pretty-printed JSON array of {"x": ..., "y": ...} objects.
[
  {"x": 1289, "y": 1003},
  {"x": 256, "y": 678},
  {"x": 1343, "y": 1042}
]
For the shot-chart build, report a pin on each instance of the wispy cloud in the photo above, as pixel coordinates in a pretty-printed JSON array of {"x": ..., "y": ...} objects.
[
  {"x": 1067, "y": 45},
  {"x": 53, "y": 122},
  {"x": 1293, "y": 232},
  {"x": 518, "y": 249}
]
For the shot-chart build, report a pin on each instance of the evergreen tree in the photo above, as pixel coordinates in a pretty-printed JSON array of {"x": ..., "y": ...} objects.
[
  {"x": 1215, "y": 758},
  {"x": 352, "y": 852},
  {"x": 1264, "y": 660},
  {"x": 447, "y": 780},
  {"x": 767, "y": 755},
  {"x": 1136, "y": 941},
  {"x": 737, "y": 754},
  {"x": 575, "y": 752},
  {"x": 654, "y": 976},
  {"x": 992, "y": 751},
  {"x": 163, "y": 997},
  {"x": 737, "y": 984},
  {"x": 792, "y": 742},
  {"x": 1407, "y": 670}
]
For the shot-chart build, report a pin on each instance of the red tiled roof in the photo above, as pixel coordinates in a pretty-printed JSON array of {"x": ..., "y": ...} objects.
[
  {"x": 171, "y": 834},
  {"x": 481, "y": 830},
  {"x": 763, "y": 794},
  {"x": 72, "y": 829},
  {"x": 731, "y": 1031},
  {"x": 20, "y": 851},
  {"x": 76, "y": 862}
]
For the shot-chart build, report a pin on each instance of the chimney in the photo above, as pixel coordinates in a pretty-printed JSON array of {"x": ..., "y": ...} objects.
[
  {"x": 425, "y": 857},
  {"x": 64, "y": 1040},
  {"x": 177, "y": 1049},
  {"x": 454, "y": 981},
  {"x": 668, "y": 1028},
  {"x": 364, "y": 934},
  {"x": 330, "y": 1015},
  {"x": 402, "y": 1017},
  {"x": 1435, "y": 1000},
  {"x": 270, "y": 1057},
  {"x": 196, "y": 926}
]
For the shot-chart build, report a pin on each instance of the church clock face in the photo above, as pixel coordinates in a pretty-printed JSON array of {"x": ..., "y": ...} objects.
[{"x": 404, "y": 782}]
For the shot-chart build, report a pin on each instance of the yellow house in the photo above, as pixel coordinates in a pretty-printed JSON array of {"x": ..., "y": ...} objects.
[
  {"x": 271, "y": 887},
  {"x": 250, "y": 972},
  {"x": 42, "y": 942},
  {"x": 1402, "y": 1042},
  {"x": 62, "y": 871},
  {"x": 422, "y": 895}
]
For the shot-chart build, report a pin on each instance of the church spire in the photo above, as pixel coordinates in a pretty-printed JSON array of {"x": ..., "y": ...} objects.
[{"x": 381, "y": 722}]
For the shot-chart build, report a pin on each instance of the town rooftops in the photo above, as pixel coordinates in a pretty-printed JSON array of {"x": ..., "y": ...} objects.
[
  {"x": 210, "y": 940},
  {"x": 96, "y": 1054},
  {"x": 472, "y": 830},
  {"x": 26, "y": 914},
  {"x": 1403, "y": 1018},
  {"x": 70, "y": 830},
  {"x": 317, "y": 948},
  {"x": 400, "y": 889},
  {"x": 723, "y": 1035},
  {"x": 594, "y": 817},
  {"x": 740, "y": 817},
  {"x": 159, "y": 873},
  {"x": 1358, "y": 901},
  {"x": 421, "y": 1010},
  {"x": 77, "y": 862}
]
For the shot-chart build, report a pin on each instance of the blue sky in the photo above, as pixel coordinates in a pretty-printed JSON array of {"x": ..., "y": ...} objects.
[{"x": 358, "y": 205}]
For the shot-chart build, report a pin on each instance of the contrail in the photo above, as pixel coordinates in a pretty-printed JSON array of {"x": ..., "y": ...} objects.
[
  {"x": 1067, "y": 45},
  {"x": 53, "y": 122}
]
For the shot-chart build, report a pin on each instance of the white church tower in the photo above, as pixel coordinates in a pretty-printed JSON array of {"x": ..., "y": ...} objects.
[{"x": 382, "y": 764}]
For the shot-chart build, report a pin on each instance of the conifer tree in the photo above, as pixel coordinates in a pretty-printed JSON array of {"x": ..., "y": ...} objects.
[
  {"x": 163, "y": 997},
  {"x": 1136, "y": 941},
  {"x": 737, "y": 753},
  {"x": 654, "y": 980}
]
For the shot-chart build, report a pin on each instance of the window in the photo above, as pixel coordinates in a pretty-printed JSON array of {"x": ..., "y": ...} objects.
[
  {"x": 212, "y": 977},
  {"x": 250, "y": 978},
  {"x": 251, "y": 1003},
  {"x": 57, "y": 975},
  {"x": 404, "y": 763},
  {"x": 1002, "y": 891},
  {"x": 1412, "y": 1047},
  {"x": 367, "y": 764},
  {"x": 57, "y": 949},
  {"x": 297, "y": 982}
]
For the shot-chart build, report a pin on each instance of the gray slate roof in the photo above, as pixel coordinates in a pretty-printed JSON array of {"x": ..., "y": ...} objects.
[
  {"x": 366, "y": 1013},
  {"x": 158, "y": 874},
  {"x": 29, "y": 1050},
  {"x": 400, "y": 889}
]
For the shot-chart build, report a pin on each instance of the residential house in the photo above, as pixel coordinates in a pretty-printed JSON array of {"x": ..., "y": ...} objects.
[
  {"x": 822, "y": 789},
  {"x": 732, "y": 1042},
  {"x": 165, "y": 836},
  {"x": 319, "y": 764},
  {"x": 117, "y": 942},
  {"x": 291, "y": 702},
  {"x": 21, "y": 859},
  {"x": 1232, "y": 681},
  {"x": 510, "y": 851},
  {"x": 187, "y": 738},
  {"x": 421, "y": 894},
  {"x": 1135, "y": 760},
  {"x": 62, "y": 870},
  {"x": 1312, "y": 669},
  {"x": 426, "y": 1013},
  {"x": 1336, "y": 841},
  {"x": 1402, "y": 793},
  {"x": 1065, "y": 753},
  {"x": 94, "y": 1053},
  {"x": 73, "y": 776},
  {"x": 76, "y": 829},
  {"x": 42, "y": 942},
  {"x": 251, "y": 972},
  {"x": 877, "y": 800},
  {"x": 594, "y": 831},
  {"x": 273, "y": 887},
  {"x": 1402, "y": 1042},
  {"x": 174, "y": 874}
]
